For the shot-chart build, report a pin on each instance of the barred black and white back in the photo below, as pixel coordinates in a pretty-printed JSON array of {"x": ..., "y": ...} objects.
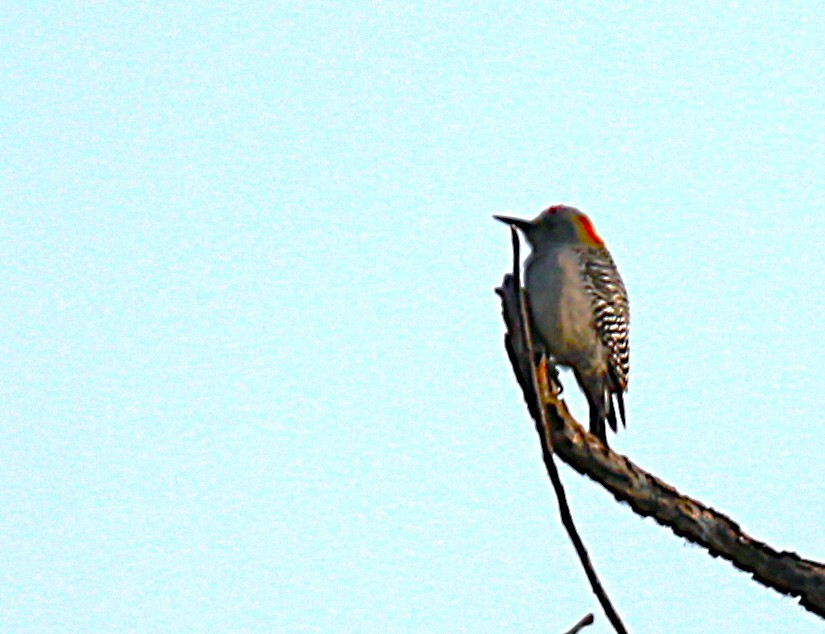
[{"x": 611, "y": 312}]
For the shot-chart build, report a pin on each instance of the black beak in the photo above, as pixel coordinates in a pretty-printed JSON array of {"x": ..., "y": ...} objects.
[{"x": 519, "y": 223}]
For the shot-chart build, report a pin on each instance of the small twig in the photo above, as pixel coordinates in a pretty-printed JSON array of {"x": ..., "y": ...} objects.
[
  {"x": 545, "y": 434},
  {"x": 527, "y": 334},
  {"x": 578, "y": 627}
]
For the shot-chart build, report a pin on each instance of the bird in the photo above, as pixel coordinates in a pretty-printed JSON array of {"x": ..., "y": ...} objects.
[{"x": 579, "y": 308}]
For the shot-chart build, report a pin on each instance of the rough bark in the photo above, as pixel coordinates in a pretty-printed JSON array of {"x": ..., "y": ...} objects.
[{"x": 785, "y": 572}]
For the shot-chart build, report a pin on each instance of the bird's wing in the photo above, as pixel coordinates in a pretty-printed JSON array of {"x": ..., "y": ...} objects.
[{"x": 610, "y": 309}]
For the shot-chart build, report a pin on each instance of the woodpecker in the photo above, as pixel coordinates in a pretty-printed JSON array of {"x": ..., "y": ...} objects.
[{"x": 579, "y": 308}]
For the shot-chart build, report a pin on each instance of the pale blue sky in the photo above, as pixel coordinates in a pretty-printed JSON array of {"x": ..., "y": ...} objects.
[{"x": 252, "y": 371}]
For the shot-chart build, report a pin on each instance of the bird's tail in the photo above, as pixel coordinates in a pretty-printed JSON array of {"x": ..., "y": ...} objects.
[
  {"x": 603, "y": 409},
  {"x": 597, "y": 426}
]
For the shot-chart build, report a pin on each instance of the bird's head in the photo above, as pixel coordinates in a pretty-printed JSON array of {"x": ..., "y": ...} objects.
[{"x": 555, "y": 225}]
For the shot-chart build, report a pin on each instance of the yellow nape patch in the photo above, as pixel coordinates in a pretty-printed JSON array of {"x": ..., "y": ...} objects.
[{"x": 587, "y": 233}]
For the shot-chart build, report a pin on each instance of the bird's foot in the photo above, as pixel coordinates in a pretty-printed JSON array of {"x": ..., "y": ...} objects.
[{"x": 548, "y": 379}]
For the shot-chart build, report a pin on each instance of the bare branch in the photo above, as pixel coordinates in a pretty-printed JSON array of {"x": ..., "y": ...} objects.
[
  {"x": 545, "y": 434},
  {"x": 785, "y": 572},
  {"x": 583, "y": 623}
]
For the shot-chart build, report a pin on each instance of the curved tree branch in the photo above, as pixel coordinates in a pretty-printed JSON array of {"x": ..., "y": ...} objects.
[{"x": 785, "y": 572}]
